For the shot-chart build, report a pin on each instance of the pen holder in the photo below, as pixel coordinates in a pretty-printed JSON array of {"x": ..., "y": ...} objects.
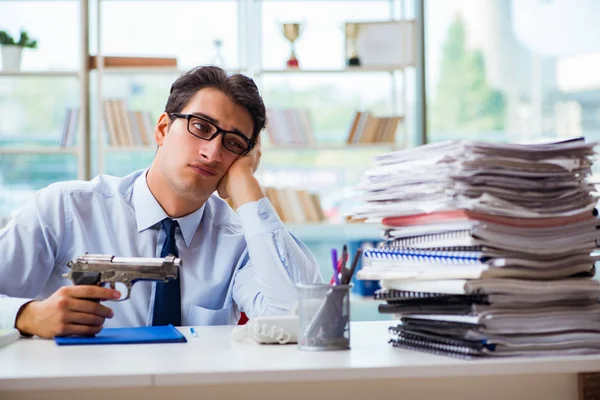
[{"x": 323, "y": 317}]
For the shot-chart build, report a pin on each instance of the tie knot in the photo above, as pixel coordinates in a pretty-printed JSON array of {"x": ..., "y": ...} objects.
[{"x": 169, "y": 226}]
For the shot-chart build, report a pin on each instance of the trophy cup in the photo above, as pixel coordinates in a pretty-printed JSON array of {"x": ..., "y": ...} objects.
[
  {"x": 352, "y": 30},
  {"x": 291, "y": 32}
]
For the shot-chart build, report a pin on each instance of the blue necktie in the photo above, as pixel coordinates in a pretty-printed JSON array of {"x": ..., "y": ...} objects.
[{"x": 167, "y": 298}]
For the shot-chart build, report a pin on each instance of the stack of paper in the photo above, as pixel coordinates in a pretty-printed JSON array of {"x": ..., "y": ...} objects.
[{"x": 489, "y": 247}]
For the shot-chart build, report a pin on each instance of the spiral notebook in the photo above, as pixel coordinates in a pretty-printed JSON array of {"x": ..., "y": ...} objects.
[
  {"x": 398, "y": 299},
  {"x": 561, "y": 287},
  {"x": 480, "y": 306},
  {"x": 564, "y": 240},
  {"x": 426, "y": 265},
  {"x": 544, "y": 344}
]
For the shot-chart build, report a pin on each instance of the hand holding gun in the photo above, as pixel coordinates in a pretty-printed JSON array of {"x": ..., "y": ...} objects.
[
  {"x": 76, "y": 309},
  {"x": 100, "y": 269}
]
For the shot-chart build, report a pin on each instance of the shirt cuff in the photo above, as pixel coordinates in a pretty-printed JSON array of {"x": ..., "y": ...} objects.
[
  {"x": 9, "y": 308},
  {"x": 259, "y": 217}
]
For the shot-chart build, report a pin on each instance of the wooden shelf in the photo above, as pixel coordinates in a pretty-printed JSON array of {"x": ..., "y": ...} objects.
[
  {"x": 73, "y": 74},
  {"x": 38, "y": 150},
  {"x": 339, "y": 232},
  {"x": 153, "y": 70}
]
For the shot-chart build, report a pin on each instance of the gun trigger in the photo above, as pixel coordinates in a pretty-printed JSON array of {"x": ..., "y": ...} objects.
[
  {"x": 112, "y": 285},
  {"x": 129, "y": 286}
]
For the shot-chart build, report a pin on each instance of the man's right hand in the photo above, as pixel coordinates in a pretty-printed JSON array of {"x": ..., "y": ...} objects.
[{"x": 71, "y": 310}]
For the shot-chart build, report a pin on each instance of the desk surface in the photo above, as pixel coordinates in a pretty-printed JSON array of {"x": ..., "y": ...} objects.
[{"x": 213, "y": 358}]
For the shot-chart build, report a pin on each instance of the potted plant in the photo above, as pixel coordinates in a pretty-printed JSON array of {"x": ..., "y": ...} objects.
[{"x": 12, "y": 50}]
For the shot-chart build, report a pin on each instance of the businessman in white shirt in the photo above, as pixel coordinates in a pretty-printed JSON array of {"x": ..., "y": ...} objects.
[{"x": 232, "y": 261}]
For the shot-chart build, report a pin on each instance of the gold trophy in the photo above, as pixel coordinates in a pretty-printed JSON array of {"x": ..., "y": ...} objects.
[
  {"x": 352, "y": 30},
  {"x": 291, "y": 31}
]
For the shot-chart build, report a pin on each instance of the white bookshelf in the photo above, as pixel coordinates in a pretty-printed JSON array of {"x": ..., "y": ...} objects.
[
  {"x": 156, "y": 70},
  {"x": 143, "y": 70},
  {"x": 338, "y": 232},
  {"x": 53, "y": 74},
  {"x": 38, "y": 150},
  {"x": 268, "y": 147},
  {"x": 386, "y": 69},
  {"x": 129, "y": 149},
  {"x": 82, "y": 149},
  {"x": 331, "y": 146}
]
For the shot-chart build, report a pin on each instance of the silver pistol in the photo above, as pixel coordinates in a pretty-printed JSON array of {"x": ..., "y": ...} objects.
[{"x": 102, "y": 269}]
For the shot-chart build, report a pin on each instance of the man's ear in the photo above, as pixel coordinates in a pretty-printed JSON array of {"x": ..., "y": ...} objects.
[{"x": 162, "y": 128}]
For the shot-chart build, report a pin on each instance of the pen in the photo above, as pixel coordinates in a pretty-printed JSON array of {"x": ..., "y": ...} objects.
[
  {"x": 353, "y": 267},
  {"x": 342, "y": 266},
  {"x": 334, "y": 260},
  {"x": 193, "y": 332}
]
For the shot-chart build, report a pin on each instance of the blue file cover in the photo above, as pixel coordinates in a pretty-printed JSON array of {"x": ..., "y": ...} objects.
[{"x": 144, "y": 334}]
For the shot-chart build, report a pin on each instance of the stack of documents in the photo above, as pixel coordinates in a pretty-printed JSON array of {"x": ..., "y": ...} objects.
[{"x": 488, "y": 247}]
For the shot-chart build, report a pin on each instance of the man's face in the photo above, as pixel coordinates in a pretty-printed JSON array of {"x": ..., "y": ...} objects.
[{"x": 192, "y": 166}]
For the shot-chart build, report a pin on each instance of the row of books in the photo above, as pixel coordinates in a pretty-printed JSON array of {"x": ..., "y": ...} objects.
[
  {"x": 293, "y": 127},
  {"x": 289, "y": 126},
  {"x": 70, "y": 127},
  {"x": 127, "y": 128},
  {"x": 367, "y": 128},
  {"x": 489, "y": 248},
  {"x": 296, "y": 206}
]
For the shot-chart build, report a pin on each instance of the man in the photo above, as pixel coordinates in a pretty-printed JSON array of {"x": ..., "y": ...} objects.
[{"x": 208, "y": 139}]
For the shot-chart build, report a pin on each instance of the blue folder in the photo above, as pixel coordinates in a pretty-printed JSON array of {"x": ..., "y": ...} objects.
[{"x": 144, "y": 334}]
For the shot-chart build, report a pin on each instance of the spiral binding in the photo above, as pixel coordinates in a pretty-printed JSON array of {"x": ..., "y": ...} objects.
[
  {"x": 396, "y": 244},
  {"x": 429, "y": 238},
  {"x": 442, "y": 345},
  {"x": 444, "y": 257},
  {"x": 417, "y": 345},
  {"x": 439, "y": 324},
  {"x": 393, "y": 294}
]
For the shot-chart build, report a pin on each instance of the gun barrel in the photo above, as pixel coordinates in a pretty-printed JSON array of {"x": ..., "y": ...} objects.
[
  {"x": 167, "y": 267},
  {"x": 139, "y": 261}
]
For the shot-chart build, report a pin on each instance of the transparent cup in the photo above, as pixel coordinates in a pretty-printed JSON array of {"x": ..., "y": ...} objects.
[{"x": 323, "y": 317}]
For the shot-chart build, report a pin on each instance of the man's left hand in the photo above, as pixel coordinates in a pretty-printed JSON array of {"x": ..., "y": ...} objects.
[{"x": 239, "y": 182}]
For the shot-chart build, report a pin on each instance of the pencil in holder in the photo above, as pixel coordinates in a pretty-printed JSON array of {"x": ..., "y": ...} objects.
[{"x": 323, "y": 317}]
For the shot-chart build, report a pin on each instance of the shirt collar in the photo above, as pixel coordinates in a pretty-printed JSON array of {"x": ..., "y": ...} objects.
[{"x": 149, "y": 213}]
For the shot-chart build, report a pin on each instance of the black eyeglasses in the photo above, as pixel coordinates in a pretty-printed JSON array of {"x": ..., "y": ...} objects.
[{"x": 206, "y": 130}]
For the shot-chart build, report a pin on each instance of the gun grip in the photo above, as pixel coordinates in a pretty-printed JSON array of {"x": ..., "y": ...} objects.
[{"x": 85, "y": 278}]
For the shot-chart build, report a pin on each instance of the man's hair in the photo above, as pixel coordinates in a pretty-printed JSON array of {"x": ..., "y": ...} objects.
[{"x": 239, "y": 88}]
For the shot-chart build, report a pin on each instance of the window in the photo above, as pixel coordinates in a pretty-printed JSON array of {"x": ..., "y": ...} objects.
[{"x": 512, "y": 70}]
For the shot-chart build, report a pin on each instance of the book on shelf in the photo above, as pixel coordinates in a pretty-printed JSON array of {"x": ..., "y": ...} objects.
[
  {"x": 70, "y": 127},
  {"x": 289, "y": 126},
  {"x": 123, "y": 62},
  {"x": 297, "y": 206},
  {"x": 125, "y": 127},
  {"x": 367, "y": 128}
]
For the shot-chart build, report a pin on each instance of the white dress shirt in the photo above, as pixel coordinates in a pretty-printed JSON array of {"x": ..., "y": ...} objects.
[{"x": 230, "y": 262}]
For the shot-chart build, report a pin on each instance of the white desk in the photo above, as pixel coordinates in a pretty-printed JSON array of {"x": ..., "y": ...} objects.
[{"x": 213, "y": 365}]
